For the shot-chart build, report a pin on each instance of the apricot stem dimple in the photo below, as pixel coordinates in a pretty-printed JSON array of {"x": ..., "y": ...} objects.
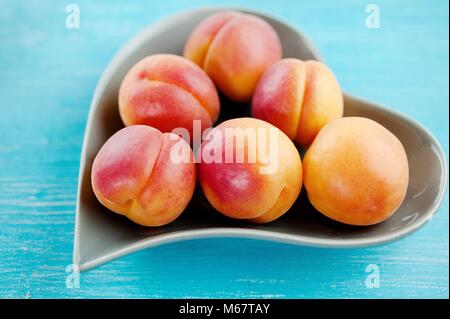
[
  {"x": 260, "y": 218},
  {"x": 211, "y": 41},
  {"x": 127, "y": 207}
]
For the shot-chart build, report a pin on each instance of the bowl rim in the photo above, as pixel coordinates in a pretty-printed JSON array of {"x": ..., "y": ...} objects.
[{"x": 237, "y": 232}]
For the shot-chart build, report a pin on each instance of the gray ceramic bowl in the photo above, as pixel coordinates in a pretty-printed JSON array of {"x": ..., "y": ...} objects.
[{"x": 101, "y": 236}]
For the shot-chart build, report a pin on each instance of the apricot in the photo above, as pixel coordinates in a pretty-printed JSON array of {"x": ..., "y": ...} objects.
[
  {"x": 356, "y": 171},
  {"x": 234, "y": 49},
  {"x": 249, "y": 170},
  {"x": 167, "y": 91},
  {"x": 133, "y": 175},
  {"x": 299, "y": 98}
]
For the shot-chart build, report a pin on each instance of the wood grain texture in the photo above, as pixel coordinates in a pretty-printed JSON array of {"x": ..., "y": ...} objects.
[{"x": 48, "y": 77}]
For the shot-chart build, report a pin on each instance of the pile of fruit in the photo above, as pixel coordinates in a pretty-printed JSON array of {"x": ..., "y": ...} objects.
[{"x": 354, "y": 170}]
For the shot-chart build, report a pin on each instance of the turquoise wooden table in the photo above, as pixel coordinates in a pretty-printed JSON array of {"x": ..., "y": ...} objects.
[{"x": 48, "y": 75}]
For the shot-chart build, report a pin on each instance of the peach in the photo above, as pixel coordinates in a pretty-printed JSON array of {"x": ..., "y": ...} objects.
[
  {"x": 249, "y": 170},
  {"x": 234, "y": 49},
  {"x": 298, "y": 97},
  {"x": 356, "y": 171},
  {"x": 167, "y": 91},
  {"x": 133, "y": 175}
]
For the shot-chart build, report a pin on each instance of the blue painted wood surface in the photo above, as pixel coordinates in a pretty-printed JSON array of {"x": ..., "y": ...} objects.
[{"x": 48, "y": 75}]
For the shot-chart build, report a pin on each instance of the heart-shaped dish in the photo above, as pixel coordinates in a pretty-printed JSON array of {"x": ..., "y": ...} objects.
[{"x": 101, "y": 236}]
